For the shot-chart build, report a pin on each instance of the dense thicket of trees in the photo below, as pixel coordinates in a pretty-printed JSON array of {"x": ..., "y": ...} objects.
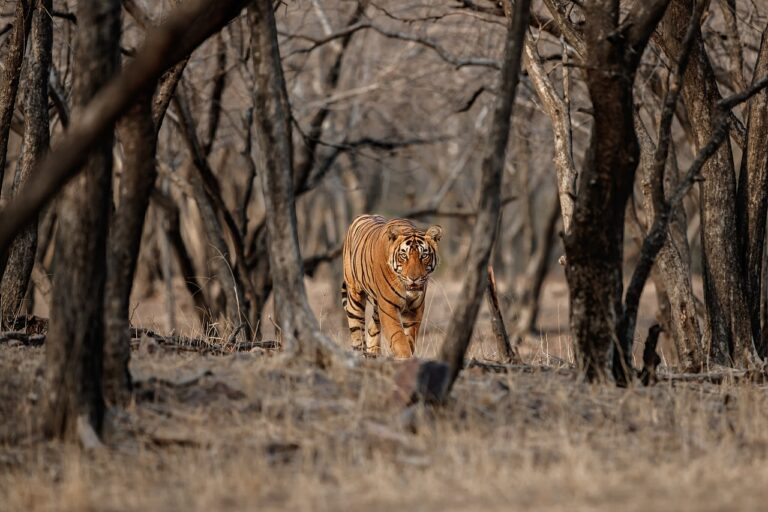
[{"x": 225, "y": 146}]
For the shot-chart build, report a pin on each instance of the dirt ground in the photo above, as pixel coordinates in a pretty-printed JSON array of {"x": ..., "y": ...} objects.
[{"x": 247, "y": 431}]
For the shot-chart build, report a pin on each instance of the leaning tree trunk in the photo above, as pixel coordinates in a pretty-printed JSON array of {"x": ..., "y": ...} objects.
[
  {"x": 486, "y": 223},
  {"x": 137, "y": 135},
  {"x": 594, "y": 247},
  {"x": 21, "y": 256},
  {"x": 752, "y": 202},
  {"x": 73, "y": 398},
  {"x": 725, "y": 289},
  {"x": 298, "y": 326}
]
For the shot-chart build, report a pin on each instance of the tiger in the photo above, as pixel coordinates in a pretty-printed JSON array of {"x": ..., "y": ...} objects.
[{"x": 387, "y": 263}]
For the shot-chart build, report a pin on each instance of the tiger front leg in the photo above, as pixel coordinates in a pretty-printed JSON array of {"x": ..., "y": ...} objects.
[
  {"x": 400, "y": 343},
  {"x": 353, "y": 302},
  {"x": 373, "y": 345},
  {"x": 412, "y": 324}
]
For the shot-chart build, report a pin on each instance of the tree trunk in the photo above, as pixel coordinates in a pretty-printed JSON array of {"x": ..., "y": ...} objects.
[
  {"x": 752, "y": 201},
  {"x": 21, "y": 256},
  {"x": 137, "y": 136},
  {"x": 298, "y": 326},
  {"x": 73, "y": 371},
  {"x": 594, "y": 247},
  {"x": 10, "y": 84},
  {"x": 673, "y": 260},
  {"x": 730, "y": 335},
  {"x": 486, "y": 223}
]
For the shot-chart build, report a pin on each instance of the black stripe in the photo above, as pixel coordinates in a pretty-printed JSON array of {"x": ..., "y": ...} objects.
[
  {"x": 391, "y": 287},
  {"x": 352, "y": 315},
  {"x": 355, "y": 329}
]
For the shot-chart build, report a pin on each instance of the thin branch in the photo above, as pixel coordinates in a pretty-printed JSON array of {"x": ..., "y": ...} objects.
[{"x": 444, "y": 54}]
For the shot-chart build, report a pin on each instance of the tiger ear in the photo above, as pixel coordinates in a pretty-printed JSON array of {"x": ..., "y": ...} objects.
[
  {"x": 393, "y": 232},
  {"x": 435, "y": 233}
]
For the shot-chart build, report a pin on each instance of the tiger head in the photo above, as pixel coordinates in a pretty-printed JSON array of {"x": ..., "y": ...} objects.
[{"x": 413, "y": 254}]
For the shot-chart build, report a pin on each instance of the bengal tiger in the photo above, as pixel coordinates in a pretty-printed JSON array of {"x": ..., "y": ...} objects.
[{"x": 388, "y": 264}]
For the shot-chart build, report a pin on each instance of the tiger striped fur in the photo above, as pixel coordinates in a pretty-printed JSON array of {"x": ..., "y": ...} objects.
[{"x": 387, "y": 263}]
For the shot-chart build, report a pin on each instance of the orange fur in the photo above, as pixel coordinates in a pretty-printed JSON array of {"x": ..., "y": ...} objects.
[{"x": 387, "y": 263}]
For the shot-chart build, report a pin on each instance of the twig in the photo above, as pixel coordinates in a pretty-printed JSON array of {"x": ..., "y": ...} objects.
[{"x": 507, "y": 352}]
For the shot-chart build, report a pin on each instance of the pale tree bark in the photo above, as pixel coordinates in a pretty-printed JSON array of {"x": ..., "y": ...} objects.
[
  {"x": 752, "y": 195},
  {"x": 673, "y": 261},
  {"x": 299, "y": 329},
  {"x": 73, "y": 399},
  {"x": 21, "y": 257},
  {"x": 485, "y": 229},
  {"x": 10, "y": 81},
  {"x": 557, "y": 111},
  {"x": 733, "y": 43},
  {"x": 725, "y": 288},
  {"x": 305, "y": 164},
  {"x": 138, "y": 137},
  {"x": 594, "y": 247}
]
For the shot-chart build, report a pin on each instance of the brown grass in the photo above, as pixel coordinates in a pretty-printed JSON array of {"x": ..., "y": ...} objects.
[{"x": 251, "y": 432}]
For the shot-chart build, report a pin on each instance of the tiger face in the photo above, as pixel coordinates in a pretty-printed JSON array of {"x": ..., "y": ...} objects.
[{"x": 413, "y": 255}]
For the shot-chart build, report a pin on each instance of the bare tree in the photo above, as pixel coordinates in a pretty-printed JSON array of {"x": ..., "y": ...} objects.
[
  {"x": 486, "y": 223},
  {"x": 21, "y": 257},
  {"x": 752, "y": 195},
  {"x": 10, "y": 83},
  {"x": 728, "y": 320},
  {"x": 138, "y": 137},
  {"x": 272, "y": 115},
  {"x": 74, "y": 346},
  {"x": 594, "y": 247}
]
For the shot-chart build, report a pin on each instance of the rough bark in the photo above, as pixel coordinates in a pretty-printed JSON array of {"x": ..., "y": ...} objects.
[
  {"x": 137, "y": 135},
  {"x": 299, "y": 329},
  {"x": 21, "y": 256},
  {"x": 485, "y": 229},
  {"x": 752, "y": 194},
  {"x": 730, "y": 335},
  {"x": 673, "y": 260},
  {"x": 594, "y": 248},
  {"x": 304, "y": 166},
  {"x": 10, "y": 81},
  {"x": 73, "y": 399},
  {"x": 183, "y": 30}
]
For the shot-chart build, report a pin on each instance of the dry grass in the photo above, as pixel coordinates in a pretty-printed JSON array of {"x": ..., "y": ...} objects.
[{"x": 252, "y": 432}]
